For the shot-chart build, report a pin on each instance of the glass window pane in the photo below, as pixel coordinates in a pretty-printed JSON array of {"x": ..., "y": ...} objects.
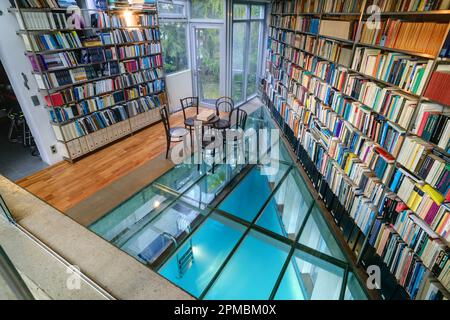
[
  {"x": 148, "y": 240},
  {"x": 248, "y": 198},
  {"x": 310, "y": 278},
  {"x": 239, "y": 11},
  {"x": 208, "y": 63},
  {"x": 170, "y": 9},
  {"x": 257, "y": 12},
  {"x": 354, "y": 291},
  {"x": 142, "y": 206},
  {"x": 207, "y": 9},
  {"x": 209, "y": 245},
  {"x": 287, "y": 211},
  {"x": 238, "y": 61},
  {"x": 180, "y": 178},
  {"x": 318, "y": 236},
  {"x": 255, "y": 31},
  {"x": 206, "y": 190},
  {"x": 252, "y": 271},
  {"x": 174, "y": 43}
]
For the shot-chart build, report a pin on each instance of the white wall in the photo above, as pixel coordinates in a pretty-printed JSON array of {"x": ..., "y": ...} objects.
[
  {"x": 179, "y": 85},
  {"x": 15, "y": 63}
]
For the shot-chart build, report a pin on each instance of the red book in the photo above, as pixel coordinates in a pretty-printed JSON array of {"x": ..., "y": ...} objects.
[
  {"x": 54, "y": 100},
  {"x": 423, "y": 123}
]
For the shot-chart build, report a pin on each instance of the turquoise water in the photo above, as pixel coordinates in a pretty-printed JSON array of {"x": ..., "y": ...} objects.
[
  {"x": 242, "y": 242},
  {"x": 211, "y": 244}
]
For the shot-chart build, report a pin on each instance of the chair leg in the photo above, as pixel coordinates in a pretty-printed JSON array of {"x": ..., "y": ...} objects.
[{"x": 168, "y": 148}]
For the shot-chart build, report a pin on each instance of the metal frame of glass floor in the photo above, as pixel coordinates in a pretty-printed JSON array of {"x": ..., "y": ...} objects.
[{"x": 243, "y": 232}]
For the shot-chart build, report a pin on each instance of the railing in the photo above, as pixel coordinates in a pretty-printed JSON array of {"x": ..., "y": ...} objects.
[
  {"x": 5, "y": 211},
  {"x": 12, "y": 285}
]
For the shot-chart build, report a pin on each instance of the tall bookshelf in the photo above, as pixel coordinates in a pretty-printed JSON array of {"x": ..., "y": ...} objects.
[
  {"x": 307, "y": 78},
  {"x": 103, "y": 78}
]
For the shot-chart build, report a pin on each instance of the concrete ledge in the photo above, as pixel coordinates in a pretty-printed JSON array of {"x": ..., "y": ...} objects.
[{"x": 112, "y": 269}]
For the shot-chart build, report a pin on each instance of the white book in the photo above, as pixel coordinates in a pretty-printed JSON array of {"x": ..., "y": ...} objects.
[
  {"x": 443, "y": 143},
  {"x": 425, "y": 76}
]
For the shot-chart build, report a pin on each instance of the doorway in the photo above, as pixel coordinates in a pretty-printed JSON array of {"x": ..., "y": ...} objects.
[
  {"x": 19, "y": 156},
  {"x": 247, "y": 49},
  {"x": 208, "y": 63}
]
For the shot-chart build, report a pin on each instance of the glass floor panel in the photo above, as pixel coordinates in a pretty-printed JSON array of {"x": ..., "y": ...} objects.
[
  {"x": 253, "y": 270},
  {"x": 248, "y": 198},
  {"x": 175, "y": 226},
  {"x": 210, "y": 245},
  {"x": 287, "y": 211},
  {"x": 147, "y": 241},
  {"x": 144, "y": 205},
  {"x": 310, "y": 278},
  {"x": 316, "y": 235}
]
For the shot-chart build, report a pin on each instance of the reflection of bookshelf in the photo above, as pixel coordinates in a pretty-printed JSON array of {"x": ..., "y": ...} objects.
[
  {"x": 354, "y": 120},
  {"x": 102, "y": 77}
]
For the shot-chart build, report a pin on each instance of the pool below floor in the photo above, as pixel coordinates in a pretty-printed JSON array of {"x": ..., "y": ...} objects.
[{"x": 241, "y": 232}]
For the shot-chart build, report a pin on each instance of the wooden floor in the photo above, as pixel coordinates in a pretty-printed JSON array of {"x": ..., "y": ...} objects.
[{"x": 64, "y": 185}]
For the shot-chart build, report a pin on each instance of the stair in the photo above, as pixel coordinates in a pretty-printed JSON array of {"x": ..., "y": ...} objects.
[{"x": 185, "y": 261}]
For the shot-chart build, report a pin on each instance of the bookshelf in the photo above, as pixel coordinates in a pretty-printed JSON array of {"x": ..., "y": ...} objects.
[
  {"x": 354, "y": 147},
  {"x": 102, "y": 78}
]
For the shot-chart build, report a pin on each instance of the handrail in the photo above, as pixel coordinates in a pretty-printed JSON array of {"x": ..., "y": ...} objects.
[
  {"x": 171, "y": 237},
  {"x": 12, "y": 278}
]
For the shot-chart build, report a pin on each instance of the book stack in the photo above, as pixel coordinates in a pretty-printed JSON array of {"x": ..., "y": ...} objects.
[
  {"x": 398, "y": 69},
  {"x": 352, "y": 117},
  {"x": 437, "y": 89},
  {"x": 87, "y": 77},
  {"x": 344, "y": 6},
  {"x": 419, "y": 37},
  {"x": 410, "y": 5}
]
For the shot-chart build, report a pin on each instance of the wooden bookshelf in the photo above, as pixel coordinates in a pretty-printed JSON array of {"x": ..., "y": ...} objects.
[
  {"x": 280, "y": 105},
  {"x": 148, "y": 62}
]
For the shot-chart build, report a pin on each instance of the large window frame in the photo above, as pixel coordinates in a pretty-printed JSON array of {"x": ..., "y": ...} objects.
[
  {"x": 168, "y": 18},
  {"x": 248, "y": 22}
]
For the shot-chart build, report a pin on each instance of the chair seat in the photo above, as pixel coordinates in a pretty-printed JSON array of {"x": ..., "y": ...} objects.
[
  {"x": 178, "y": 133},
  {"x": 222, "y": 124},
  {"x": 189, "y": 122}
]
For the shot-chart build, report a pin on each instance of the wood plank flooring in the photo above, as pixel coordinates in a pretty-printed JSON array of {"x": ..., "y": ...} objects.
[{"x": 64, "y": 185}]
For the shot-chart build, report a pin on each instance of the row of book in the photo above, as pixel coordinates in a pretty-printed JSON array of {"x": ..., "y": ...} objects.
[
  {"x": 44, "y": 3},
  {"x": 335, "y": 51},
  {"x": 145, "y": 104},
  {"x": 431, "y": 165},
  {"x": 88, "y": 106},
  {"x": 85, "y": 107},
  {"x": 135, "y": 35},
  {"x": 433, "y": 125},
  {"x": 390, "y": 103},
  {"x": 134, "y": 20},
  {"x": 412, "y": 5},
  {"x": 404, "y": 71},
  {"x": 35, "y": 20},
  {"x": 298, "y": 6},
  {"x": 88, "y": 90},
  {"x": 296, "y": 23},
  {"x": 69, "y": 59},
  {"x": 344, "y": 6},
  {"x": 55, "y": 41},
  {"x": 56, "y": 79},
  {"x": 404, "y": 262},
  {"x": 421, "y": 37},
  {"x": 143, "y": 63},
  {"x": 143, "y": 49}
]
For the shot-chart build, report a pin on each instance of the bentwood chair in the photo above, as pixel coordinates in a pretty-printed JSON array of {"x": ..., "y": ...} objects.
[
  {"x": 176, "y": 134},
  {"x": 234, "y": 136},
  {"x": 224, "y": 104},
  {"x": 186, "y": 103}
]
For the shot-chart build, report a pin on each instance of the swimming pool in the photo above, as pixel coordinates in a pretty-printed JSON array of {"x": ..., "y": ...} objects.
[{"x": 243, "y": 232}]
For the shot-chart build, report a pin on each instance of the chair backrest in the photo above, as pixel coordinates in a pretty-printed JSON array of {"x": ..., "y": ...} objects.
[
  {"x": 189, "y": 102},
  {"x": 165, "y": 119},
  {"x": 238, "y": 118},
  {"x": 225, "y": 104}
]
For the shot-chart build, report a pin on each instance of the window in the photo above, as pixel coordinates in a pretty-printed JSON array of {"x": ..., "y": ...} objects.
[
  {"x": 207, "y": 9},
  {"x": 174, "y": 42},
  {"x": 173, "y": 9}
]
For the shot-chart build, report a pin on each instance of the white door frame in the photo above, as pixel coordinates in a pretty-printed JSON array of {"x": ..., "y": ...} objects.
[{"x": 193, "y": 47}]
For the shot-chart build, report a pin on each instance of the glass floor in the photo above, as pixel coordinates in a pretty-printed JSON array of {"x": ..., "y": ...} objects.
[{"x": 243, "y": 232}]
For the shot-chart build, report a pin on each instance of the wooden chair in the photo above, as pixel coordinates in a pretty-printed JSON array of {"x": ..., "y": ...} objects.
[
  {"x": 175, "y": 134},
  {"x": 224, "y": 104},
  {"x": 186, "y": 103}
]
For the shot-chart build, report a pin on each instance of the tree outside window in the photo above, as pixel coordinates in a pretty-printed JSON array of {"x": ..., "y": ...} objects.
[{"x": 174, "y": 42}]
